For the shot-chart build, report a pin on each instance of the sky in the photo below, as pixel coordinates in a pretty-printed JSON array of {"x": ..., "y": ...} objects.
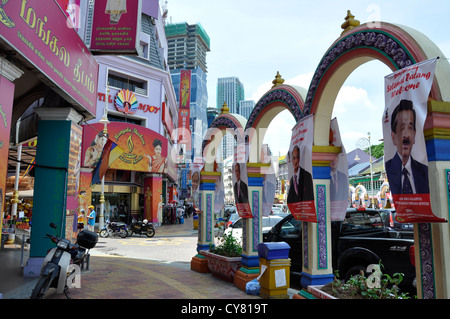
[{"x": 253, "y": 39}]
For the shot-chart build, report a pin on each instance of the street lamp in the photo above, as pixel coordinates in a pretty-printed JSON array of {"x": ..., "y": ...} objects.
[
  {"x": 104, "y": 120},
  {"x": 362, "y": 144}
]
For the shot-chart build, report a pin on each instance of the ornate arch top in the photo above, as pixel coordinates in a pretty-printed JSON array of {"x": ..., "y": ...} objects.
[
  {"x": 286, "y": 95},
  {"x": 397, "y": 46},
  {"x": 225, "y": 120}
]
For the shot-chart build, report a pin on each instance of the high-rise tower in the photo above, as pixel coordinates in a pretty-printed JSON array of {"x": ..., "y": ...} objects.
[{"x": 187, "y": 48}]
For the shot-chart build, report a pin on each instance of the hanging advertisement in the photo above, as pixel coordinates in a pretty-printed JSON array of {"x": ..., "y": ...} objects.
[
  {"x": 6, "y": 106},
  {"x": 339, "y": 185},
  {"x": 240, "y": 182},
  {"x": 300, "y": 197},
  {"x": 406, "y": 96},
  {"x": 184, "y": 132},
  {"x": 39, "y": 33},
  {"x": 115, "y": 27}
]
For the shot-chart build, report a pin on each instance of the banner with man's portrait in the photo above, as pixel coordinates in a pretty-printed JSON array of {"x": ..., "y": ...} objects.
[
  {"x": 339, "y": 185},
  {"x": 300, "y": 198},
  {"x": 196, "y": 169},
  {"x": 240, "y": 182},
  {"x": 406, "y": 163}
]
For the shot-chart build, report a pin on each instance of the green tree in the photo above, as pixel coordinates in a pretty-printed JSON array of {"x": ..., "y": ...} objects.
[{"x": 377, "y": 150}]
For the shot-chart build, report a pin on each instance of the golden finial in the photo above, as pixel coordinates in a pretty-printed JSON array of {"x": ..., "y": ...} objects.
[
  {"x": 224, "y": 109},
  {"x": 349, "y": 23},
  {"x": 278, "y": 80}
]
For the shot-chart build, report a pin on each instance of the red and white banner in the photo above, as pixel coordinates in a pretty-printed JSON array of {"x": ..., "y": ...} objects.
[
  {"x": 240, "y": 182},
  {"x": 406, "y": 95},
  {"x": 300, "y": 197}
]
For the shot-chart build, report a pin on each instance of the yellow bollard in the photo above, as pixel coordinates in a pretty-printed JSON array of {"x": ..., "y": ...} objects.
[{"x": 274, "y": 269}]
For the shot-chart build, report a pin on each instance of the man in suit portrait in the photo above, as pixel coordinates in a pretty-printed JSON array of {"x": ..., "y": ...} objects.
[
  {"x": 406, "y": 175},
  {"x": 240, "y": 188},
  {"x": 301, "y": 184}
]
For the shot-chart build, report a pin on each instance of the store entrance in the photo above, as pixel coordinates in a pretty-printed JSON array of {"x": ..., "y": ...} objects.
[{"x": 117, "y": 207}]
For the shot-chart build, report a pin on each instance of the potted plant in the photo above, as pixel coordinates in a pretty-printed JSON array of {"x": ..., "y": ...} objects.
[
  {"x": 358, "y": 287},
  {"x": 225, "y": 258}
]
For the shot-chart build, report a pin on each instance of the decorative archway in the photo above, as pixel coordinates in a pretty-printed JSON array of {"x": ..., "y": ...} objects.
[
  {"x": 280, "y": 97},
  {"x": 397, "y": 47}
]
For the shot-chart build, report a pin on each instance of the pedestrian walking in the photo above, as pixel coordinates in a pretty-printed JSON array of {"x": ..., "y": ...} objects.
[
  {"x": 91, "y": 218},
  {"x": 81, "y": 220}
]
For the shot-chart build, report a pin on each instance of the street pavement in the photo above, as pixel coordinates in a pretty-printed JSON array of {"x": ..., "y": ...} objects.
[{"x": 139, "y": 276}]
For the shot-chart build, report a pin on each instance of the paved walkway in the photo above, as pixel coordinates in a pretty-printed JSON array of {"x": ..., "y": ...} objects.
[{"x": 113, "y": 277}]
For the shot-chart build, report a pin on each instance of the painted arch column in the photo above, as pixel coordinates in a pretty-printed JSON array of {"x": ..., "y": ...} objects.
[
  {"x": 205, "y": 219},
  {"x": 251, "y": 228},
  {"x": 316, "y": 237}
]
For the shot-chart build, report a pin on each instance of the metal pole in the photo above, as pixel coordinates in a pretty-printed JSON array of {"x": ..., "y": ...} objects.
[{"x": 371, "y": 174}]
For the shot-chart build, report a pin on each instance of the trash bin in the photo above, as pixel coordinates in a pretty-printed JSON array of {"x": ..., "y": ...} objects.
[
  {"x": 195, "y": 221},
  {"x": 274, "y": 269}
]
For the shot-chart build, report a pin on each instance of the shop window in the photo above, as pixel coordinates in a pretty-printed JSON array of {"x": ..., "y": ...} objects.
[{"x": 123, "y": 81}]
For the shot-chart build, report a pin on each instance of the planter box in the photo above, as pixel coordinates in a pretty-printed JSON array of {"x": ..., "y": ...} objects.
[
  {"x": 319, "y": 294},
  {"x": 221, "y": 266}
]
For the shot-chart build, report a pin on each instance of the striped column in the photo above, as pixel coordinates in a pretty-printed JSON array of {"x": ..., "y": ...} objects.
[
  {"x": 205, "y": 219},
  {"x": 316, "y": 237},
  {"x": 252, "y": 227}
]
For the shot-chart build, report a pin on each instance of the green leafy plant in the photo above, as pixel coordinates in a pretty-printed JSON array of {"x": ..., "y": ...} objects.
[
  {"x": 228, "y": 246},
  {"x": 357, "y": 287}
]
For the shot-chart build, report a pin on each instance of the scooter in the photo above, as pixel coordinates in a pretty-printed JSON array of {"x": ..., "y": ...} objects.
[
  {"x": 112, "y": 229},
  {"x": 61, "y": 266},
  {"x": 144, "y": 227}
]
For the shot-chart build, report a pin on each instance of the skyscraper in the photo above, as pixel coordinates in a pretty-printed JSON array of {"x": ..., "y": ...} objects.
[
  {"x": 187, "y": 48},
  {"x": 231, "y": 91},
  {"x": 246, "y": 107}
]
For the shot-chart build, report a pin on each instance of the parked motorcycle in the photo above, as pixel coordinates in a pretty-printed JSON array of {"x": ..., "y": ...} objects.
[
  {"x": 113, "y": 229},
  {"x": 62, "y": 265},
  {"x": 143, "y": 227}
]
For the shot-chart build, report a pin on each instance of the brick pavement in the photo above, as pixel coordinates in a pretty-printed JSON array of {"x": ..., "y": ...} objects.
[{"x": 126, "y": 278}]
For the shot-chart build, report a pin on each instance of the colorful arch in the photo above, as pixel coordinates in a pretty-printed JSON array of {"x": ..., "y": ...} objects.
[{"x": 394, "y": 45}]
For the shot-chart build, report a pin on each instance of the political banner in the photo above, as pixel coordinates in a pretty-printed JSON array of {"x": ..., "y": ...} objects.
[
  {"x": 196, "y": 169},
  {"x": 269, "y": 182},
  {"x": 240, "y": 182},
  {"x": 339, "y": 186},
  {"x": 300, "y": 197},
  {"x": 406, "y": 96}
]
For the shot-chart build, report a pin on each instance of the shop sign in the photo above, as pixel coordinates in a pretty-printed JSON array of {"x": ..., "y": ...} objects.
[
  {"x": 6, "y": 106},
  {"x": 121, "y": 98},
  {"x": 144, "y": 149},
  {"x": 42, "y": 34},
  {"x": 115, "y": 26}
]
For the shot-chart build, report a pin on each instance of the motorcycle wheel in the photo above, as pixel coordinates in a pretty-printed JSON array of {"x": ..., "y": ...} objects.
[
  {"x": 129, "y": 232},
  {"x": 104, "y": 233},
  {"x": 150, "y": 232},
  {"x": 41, "y": 288},
  {"x": 122, "y": 233}
]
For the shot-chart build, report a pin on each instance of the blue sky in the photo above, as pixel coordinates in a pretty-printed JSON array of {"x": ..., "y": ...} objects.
[{"x": 253, "y": 39}]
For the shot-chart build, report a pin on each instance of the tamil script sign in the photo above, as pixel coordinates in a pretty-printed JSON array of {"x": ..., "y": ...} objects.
[{"x": 40, "y": 32}]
